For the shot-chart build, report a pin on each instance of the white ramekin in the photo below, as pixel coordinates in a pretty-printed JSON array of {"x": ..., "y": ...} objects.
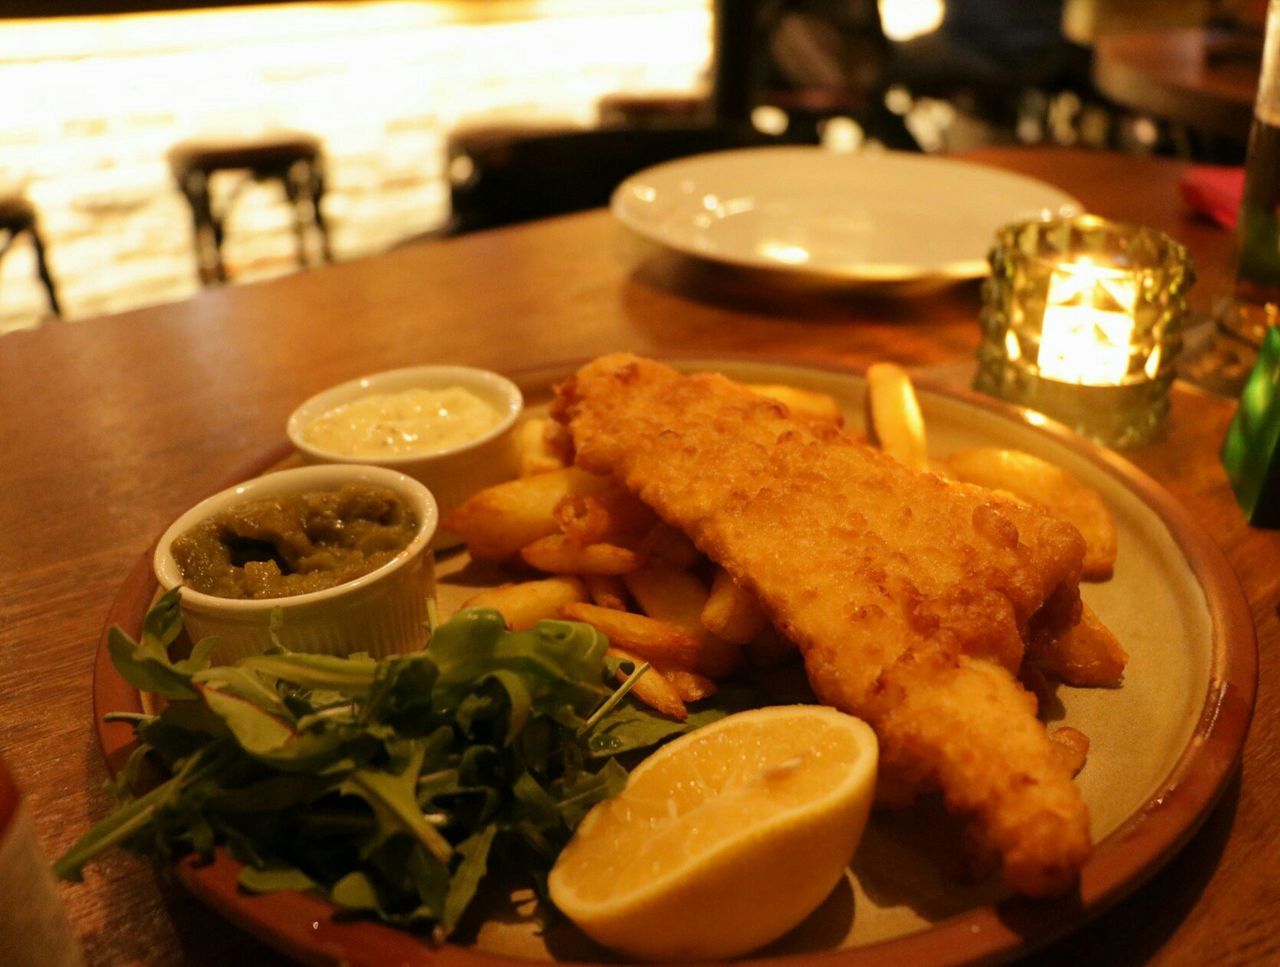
[
  {"x": 452, "y": 475},
  {"x": 383, "y": 612}
]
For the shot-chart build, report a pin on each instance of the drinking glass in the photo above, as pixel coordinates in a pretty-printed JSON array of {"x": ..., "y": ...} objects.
[{"x": 1253, "y": 306}]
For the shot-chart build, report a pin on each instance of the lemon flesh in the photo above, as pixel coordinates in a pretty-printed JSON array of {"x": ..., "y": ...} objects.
[{"x": 724, "y": 839}]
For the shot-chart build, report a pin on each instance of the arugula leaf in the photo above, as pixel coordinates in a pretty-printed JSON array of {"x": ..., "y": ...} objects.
[
  {"x": 355, "y": 891},
  {"x": 474, "y": 851},
  {"x": 268, "y": 879},
  {"x": 393, "y": 797},
  {"x": 241, "y": 683},
  {"x": 350, "y": 676},
  {"x": 631, "y": 726},
  {"x": 145, "y": 664},
  {"x": 257, "y": 730},
  {"x": 131, "y": 818},
  {"x": 142, "y": 670},
  {"x": 162, "y": 625},
  {"x": 384, "y": 784}
]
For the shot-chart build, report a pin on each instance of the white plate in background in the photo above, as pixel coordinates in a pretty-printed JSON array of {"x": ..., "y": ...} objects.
[{"x": 885, "y": 220}]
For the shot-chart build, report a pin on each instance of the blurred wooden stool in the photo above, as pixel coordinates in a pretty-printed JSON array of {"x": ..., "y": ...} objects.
[
  {"x": 653, "y": 109},
  {"x": 294, "y": 160},
  {"x": 16, "y": 217},
  {"x": 805, "y": 110},
  {"x": 506, "y": 175}
]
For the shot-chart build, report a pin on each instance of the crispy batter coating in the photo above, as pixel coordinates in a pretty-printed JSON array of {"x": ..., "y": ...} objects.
[{"x": 911, "y": 597}]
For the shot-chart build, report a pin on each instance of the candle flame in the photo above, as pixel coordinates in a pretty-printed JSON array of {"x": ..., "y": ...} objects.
[{"x": 1088, "y": 324}]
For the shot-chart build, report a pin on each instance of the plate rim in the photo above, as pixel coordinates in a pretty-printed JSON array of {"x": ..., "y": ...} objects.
[
  {"x": 857, "y": 274},
  {"x": 1122, "y": 861}
]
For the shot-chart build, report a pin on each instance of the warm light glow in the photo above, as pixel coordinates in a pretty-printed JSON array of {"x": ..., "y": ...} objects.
[
  {"x": 843, "y": 135},
  {"x": 784, "y": 252},
  {"x": 768, "y": 119},
  {"x": 904, "y": 19},
  {"x": 1034, "y": 418},
  {"x": 1012, "y": 347},
  {"x": 1152, "y": 368},
  {"x": 381, "y": 82},
  {"x": 1088, "y": 324}
]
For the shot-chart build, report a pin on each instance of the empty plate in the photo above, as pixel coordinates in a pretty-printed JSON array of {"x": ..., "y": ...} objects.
[{"x": 889, "y": 220}]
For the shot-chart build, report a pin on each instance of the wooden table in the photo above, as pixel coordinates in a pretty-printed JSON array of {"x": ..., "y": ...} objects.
[
  {"x": 111, "y": 427},
  {"x": 1203, "y": 79}
]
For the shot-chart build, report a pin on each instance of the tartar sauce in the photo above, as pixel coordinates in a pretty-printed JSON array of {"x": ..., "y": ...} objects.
[{"x": 412, "y": 422}]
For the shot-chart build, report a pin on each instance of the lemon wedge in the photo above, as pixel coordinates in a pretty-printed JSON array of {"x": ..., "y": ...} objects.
[{"x": 724, "y": 839}]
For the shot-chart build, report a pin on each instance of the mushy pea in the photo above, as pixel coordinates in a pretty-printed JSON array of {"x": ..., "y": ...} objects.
[
  {"x": 277, "y": 547},
  {"x": 413, "y": 422}
]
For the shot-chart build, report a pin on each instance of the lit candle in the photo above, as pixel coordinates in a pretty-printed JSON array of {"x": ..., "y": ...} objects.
[
  {"x": 1088, "y": 324},
  {"x": 1082, "y": 322}
]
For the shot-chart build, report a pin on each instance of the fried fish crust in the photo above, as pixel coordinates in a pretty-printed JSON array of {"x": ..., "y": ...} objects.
[{"x": 911, "y": 597}]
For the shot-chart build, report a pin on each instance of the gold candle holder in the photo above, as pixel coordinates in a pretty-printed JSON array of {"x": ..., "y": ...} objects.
[{"x": 1082, "y": 321}]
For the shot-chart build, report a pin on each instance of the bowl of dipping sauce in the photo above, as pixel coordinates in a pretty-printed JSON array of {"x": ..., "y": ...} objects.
[
  {"x": 450, "y": 427},
  {"x": 341, "y": 551}
]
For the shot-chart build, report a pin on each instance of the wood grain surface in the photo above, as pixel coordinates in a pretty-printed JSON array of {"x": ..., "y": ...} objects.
[{"x": 111, "y": 427}]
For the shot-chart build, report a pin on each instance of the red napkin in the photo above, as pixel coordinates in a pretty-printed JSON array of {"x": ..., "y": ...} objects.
[{"x": 1214, "y": 191}]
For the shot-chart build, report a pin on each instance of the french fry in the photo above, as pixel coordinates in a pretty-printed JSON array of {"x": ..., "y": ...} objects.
[
  {"x": 669, "y": 594},
  {"x": 500, "y": 520},
  {"x": 805, "y": 403},
  {"x": 731, "y": 612},
  {"x": 655, "y": 641},
  {"x": 652, "y": 688},
  {"x": 1088, "y": 655},
  {"x": 534, "y": 448},
  {"x": 527, "y": 603},
  {"x": 1048, "y": 485},
  {"x": 583, "y": 520},
  {"x": 669, "y": 544},
  {"x": 679, "y": 597},
  {"x": 606, "y": 590},
  {"x": 1070, "y": 747},
  {"x": 614, "y": 516},
  {"x": 556, "y": 554},
  {"x": 690, "y": 686},
  {"x": 893, "y": 418}
]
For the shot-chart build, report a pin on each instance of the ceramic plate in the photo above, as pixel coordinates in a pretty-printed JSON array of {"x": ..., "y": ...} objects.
[
  {"x": 881, "y": 220},
  {"x": 1162, "y": 745}
]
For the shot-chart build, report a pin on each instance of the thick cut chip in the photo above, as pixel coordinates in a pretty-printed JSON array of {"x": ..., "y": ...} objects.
[
  {"x": 500, "y": 520},
  {"x": 1049, "y": 486},
  {"x": 1087, "y": 655},
  {"x": 527, "y": 603},
  {"x": 893, "y": 418}
]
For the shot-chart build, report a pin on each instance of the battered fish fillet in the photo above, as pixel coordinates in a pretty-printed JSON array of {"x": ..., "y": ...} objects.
[{"x": 911, "y": 597}]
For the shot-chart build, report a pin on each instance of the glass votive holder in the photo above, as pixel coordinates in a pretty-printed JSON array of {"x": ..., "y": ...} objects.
[{"x": 1082, "y": 321}]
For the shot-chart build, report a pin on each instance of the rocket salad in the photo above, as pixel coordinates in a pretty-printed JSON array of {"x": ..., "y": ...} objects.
[{"x": 388, "y": 785}]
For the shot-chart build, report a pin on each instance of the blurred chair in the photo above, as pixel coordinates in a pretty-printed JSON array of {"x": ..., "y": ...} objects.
[
  {"x": 825, "y": 59},
  {"x": 506, "y": 175},
  {"x": 653, "y": 109},
  {"x": 991, "y": 58},
  {"x": 293, "y": 160},
  {"x": 18, "y": 217},
  {"x": 812, "y": 60}
]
